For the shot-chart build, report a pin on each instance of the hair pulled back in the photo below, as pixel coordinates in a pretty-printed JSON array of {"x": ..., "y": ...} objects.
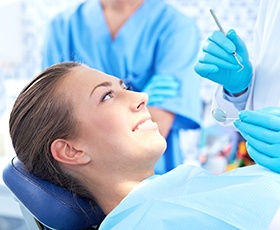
[{"x": 41, "y": 114}]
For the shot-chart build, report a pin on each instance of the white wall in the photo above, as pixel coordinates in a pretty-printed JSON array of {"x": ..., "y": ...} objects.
[{"x": 11, "y": 32}]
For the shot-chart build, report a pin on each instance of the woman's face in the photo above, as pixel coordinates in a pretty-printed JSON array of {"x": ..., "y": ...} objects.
[{"x": 115, "y": 127}]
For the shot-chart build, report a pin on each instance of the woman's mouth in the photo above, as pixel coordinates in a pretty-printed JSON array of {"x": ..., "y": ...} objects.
[{"x": 147, "y": 124}]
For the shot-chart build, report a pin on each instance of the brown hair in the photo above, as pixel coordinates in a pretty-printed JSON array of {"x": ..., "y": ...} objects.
[{"x": 40, "y": 115}]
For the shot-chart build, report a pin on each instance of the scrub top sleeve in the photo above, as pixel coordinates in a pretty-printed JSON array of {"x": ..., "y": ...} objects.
[
  {"x": 177, "y": 53},
  {"x": 54, "y": 43}
]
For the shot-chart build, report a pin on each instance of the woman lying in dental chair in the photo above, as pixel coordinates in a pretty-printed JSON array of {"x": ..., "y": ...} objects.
[{"x": 83, "y": 130}]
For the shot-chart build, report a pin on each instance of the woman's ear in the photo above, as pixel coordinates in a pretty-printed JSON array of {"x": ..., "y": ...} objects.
[{"x": 64, "y": 152}]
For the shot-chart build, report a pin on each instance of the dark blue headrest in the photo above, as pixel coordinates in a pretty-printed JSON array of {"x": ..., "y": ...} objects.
[{"x": 52, "y": 205}]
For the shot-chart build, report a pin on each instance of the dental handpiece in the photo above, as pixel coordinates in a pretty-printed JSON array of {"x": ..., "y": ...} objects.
[{"x": 222, "y": 30}]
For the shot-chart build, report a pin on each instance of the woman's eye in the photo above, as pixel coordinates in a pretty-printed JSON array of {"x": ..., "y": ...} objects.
[{"x": 107, "y": 96}]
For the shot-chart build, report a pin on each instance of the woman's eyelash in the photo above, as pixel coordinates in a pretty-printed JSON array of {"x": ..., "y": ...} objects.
[
  {"x": 106, "y": 94},
  {"x": 110, "y": 92}
]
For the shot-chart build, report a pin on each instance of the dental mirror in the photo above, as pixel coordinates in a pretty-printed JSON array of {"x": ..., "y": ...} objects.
[{"x": 220, "y": 115}]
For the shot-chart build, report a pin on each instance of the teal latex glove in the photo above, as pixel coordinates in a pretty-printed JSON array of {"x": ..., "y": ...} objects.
[
  {"x": 217, "y": 63},
  {"x": 161, "y": 87},
  {"x": 261, "y": 129}
]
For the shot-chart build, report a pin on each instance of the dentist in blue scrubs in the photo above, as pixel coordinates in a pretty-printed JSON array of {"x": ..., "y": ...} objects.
[{"x": 150, "y": 45}]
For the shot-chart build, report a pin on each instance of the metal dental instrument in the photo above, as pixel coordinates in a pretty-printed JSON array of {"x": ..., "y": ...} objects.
[
  {"x": 222, "y": 30},
  {"x": 220, "y": 115}
]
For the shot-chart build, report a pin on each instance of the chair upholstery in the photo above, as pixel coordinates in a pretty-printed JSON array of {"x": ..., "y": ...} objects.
[{"x": 52, "y": 205}]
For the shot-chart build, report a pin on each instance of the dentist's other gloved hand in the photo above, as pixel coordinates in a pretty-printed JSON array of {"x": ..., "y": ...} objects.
[
  {"x": 161, "y": 87},
  {"x": 217, "y": 63},
  {"x": 261, "y": 129}
]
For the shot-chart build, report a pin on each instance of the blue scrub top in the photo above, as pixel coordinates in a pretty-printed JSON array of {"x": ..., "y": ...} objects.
[
  {"x": 156, "y": 39},
  {"x": 188, "y": 197}
]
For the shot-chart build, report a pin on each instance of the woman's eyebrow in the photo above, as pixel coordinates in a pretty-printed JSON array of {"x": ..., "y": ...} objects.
[{"x": 104, "y": 84}]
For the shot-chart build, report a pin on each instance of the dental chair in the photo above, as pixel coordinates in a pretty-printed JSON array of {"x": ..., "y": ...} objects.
[{"x": 47, "y": 206}]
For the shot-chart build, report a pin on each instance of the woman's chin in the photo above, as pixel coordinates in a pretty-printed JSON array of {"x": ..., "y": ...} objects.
[{"x": 159, "y": 145}]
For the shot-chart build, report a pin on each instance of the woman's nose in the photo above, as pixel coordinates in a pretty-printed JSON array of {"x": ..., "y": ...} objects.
[{"x": 141, "y": 100}]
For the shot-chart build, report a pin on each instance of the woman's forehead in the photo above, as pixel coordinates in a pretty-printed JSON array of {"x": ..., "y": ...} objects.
[
  {"x": 84, "y": 78},
  {"x": 84, "y": 72}
]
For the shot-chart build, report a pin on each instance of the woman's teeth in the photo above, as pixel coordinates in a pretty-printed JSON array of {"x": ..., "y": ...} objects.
[{"x": 148, "y": 124}]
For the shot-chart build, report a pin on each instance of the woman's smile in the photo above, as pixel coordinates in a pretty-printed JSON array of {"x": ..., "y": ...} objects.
[{"x": 146, "y": 125}]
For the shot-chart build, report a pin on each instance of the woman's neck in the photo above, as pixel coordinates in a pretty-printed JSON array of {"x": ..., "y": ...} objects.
[
  {"x": 109, "y": 196},
  {"x": 110, "y": 188}
]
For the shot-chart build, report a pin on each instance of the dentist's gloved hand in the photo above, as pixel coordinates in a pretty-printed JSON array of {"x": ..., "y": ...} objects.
[
  {"x": 261, "y": 129},
  {"x": 217, "y": 63},
  {"x": 161, "y": 87}
]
